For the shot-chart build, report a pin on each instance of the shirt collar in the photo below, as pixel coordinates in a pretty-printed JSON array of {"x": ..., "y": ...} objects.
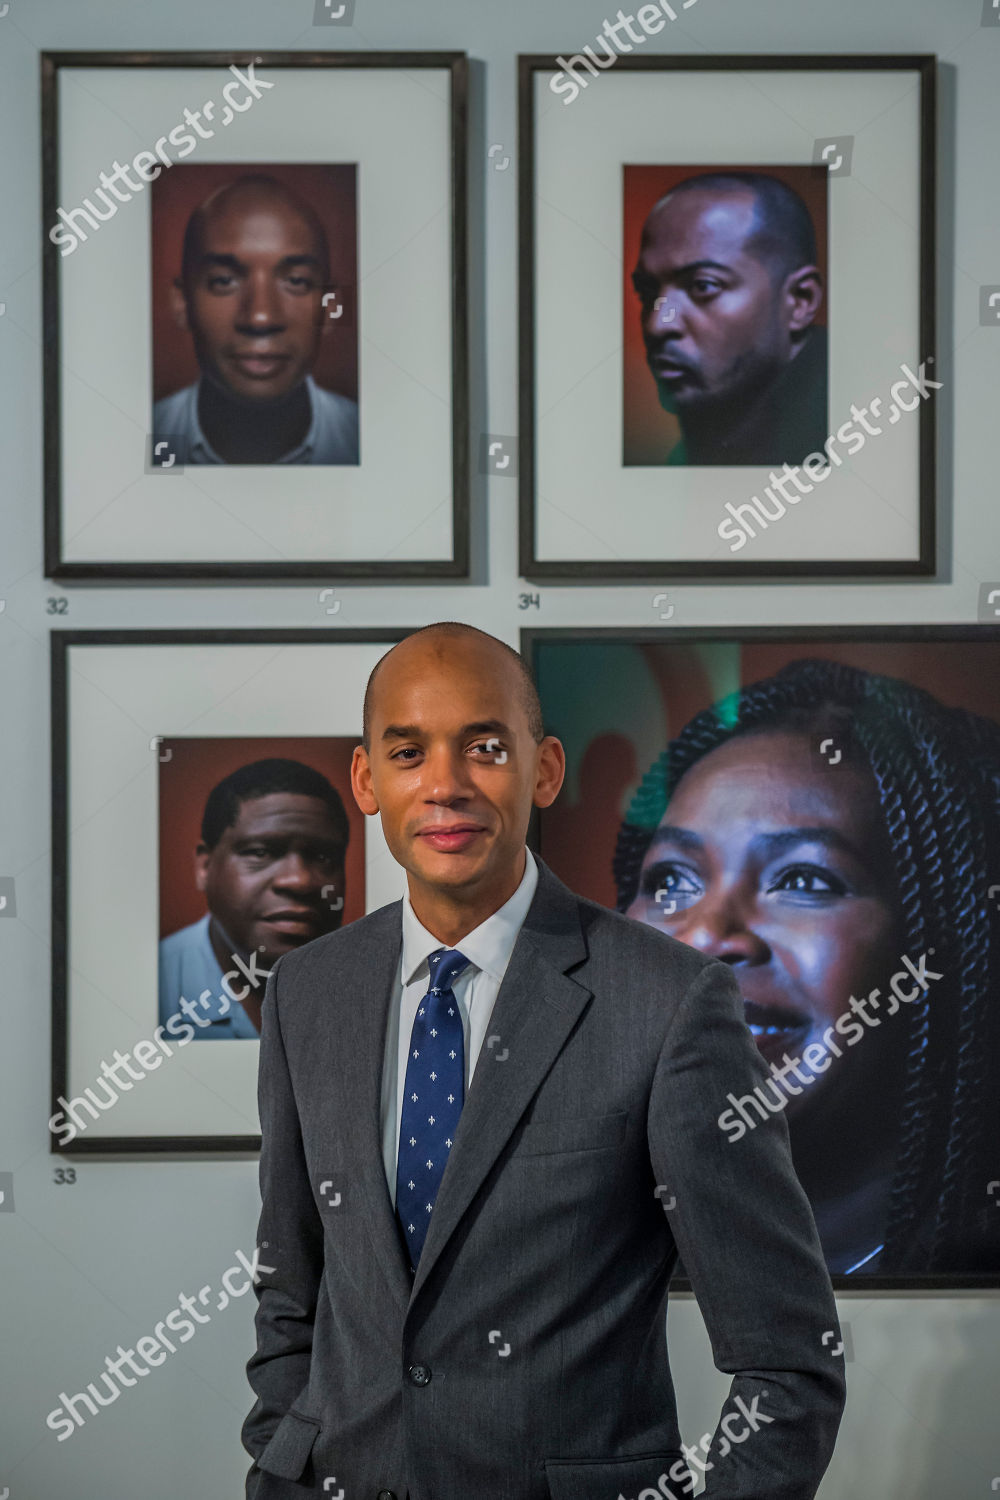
[
  {"x": 488, "y": 947},
  {"x": 202, "y": 448}
]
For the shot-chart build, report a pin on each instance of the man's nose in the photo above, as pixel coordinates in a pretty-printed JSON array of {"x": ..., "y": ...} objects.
[
  {"x": 721, "y": 927},
  {"x": 295, "y": 870},
  {"x": 260, "y": 307},
  {"x": 447, "y": 775},
  {"x": 664, "y": 316}
]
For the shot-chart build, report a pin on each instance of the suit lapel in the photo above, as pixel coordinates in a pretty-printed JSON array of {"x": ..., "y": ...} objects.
[
  {"x": 375, "y": 979},
  {"x": 536, "y": 1007}
]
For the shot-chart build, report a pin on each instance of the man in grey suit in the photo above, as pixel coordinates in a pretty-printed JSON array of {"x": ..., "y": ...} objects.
[{"x": 490, "y": 1126}]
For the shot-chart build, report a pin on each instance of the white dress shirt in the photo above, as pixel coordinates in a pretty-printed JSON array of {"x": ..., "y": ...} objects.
[{"x": 488, "y": 948}]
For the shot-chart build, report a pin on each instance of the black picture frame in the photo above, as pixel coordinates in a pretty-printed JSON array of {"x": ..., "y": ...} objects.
[
  {"x": 656, "y": 569},
  {"x": 61, "y": 644},
  {"x": 56, "y": 565},
  {"x": 532, "y": 643}
]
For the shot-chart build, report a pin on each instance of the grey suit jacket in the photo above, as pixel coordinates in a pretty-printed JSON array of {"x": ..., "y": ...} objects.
[{"x": 527, "y": 1358}]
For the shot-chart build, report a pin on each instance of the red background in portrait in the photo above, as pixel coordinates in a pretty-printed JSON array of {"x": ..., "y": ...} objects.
[
  {"x": 331, "y": 191},
  {"x": 196, "y": 766}
]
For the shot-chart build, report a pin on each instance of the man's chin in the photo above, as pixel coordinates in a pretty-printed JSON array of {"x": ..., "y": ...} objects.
[{"x": 258, "y": 395}]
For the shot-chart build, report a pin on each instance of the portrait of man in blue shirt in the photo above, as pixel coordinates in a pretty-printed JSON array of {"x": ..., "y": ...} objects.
[
  {"x": 271, "y": 862},
  {"x": 255, "y": 270}
]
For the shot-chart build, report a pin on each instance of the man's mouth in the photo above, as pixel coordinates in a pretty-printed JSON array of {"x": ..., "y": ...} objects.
[
  {"x": 260, "y": 366},
  {"x": 292, "y": 920},
  {"x": 668, "y": 371},
  {"x": 452, "y": 836}
]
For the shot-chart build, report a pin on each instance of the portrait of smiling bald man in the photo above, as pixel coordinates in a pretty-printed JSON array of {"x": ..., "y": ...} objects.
[
  {"x": 489, "y": 1132},
  {"x": 255, "y": 269}
]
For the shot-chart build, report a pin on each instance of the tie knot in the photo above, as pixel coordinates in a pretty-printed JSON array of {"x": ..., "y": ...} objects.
[{"x": 445, "y": 964}]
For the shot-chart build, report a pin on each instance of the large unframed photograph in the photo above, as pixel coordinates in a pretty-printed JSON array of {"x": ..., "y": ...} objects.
[{"x": 819, "y": 809}]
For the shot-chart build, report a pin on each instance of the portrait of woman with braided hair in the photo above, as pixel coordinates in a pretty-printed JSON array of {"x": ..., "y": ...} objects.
[{"x": 831, "y": 831}]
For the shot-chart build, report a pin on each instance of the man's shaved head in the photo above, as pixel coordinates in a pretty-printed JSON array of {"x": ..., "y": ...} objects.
[
  {"x": 254, "y": 190},
  {"x": 782, "y": 235},
  {"x": 439, "y": 635}
]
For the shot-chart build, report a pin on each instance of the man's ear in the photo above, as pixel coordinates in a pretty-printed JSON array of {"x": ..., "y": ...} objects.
[
  {"x": 178, "y": 304},
  {"x": 803, "y": 297},
  {"x": 361, "y": 782}
]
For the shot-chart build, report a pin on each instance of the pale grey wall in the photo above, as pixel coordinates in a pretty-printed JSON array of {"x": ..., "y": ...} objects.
[{"x": 83, "y": 1268}]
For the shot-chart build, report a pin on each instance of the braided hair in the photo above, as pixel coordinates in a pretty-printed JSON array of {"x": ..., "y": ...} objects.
[{"x": 937, "y": 772}]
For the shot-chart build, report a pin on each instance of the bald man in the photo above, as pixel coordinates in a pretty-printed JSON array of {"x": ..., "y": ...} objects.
[
  {"x": 729, "y": 291},
  {"x": 255, "y": 268},
  {"x": 489, "y": 1121}
]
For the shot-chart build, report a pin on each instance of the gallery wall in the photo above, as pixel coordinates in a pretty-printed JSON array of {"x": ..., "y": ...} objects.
[{"x": 95, "y": 1252}]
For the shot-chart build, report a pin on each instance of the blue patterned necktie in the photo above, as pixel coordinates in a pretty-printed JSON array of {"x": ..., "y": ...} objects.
[{"x": 432, "y": 1098}]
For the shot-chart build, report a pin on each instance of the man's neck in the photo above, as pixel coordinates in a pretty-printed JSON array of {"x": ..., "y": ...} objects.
[
  {"x": 450, "y": 915},
  {"x": 242, "y": 433},
  {"x": 729, "y": 429}
]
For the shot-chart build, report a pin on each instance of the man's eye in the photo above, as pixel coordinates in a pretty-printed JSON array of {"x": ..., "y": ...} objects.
[
  {"x": 300, "y": 283},
  {"x": 492, "y": 748},
  {"x": 221, "y": 283},
  {"x": 407, "y": 750},
  {"x": 705, "y": 288},
  {"x": 808, "y": 880}
]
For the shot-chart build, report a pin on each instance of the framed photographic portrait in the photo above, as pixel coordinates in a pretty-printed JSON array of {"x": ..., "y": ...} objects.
[
  {"x": 230, "y": 391},
  {"x": 819, "y": 808},
  {"x": 203, "y": 824},
  {"x": 727, "y": 284}
]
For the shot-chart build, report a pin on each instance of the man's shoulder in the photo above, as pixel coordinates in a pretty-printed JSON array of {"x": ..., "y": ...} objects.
[
  {"x": 637, "y": 942},
  {"x": 173, "y": 408},
  {"x": 185, "y": 939},
  {"x": 337, "y": 426},
  {"x": 632, "y": 945}
]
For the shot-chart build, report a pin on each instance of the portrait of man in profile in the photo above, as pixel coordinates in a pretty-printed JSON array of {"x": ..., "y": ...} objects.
[
  {"x": 729, "y": 289},
  {"x": 256, "y": 300}
]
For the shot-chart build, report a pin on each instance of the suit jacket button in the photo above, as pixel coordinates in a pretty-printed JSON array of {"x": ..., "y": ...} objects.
[
  {"x": 419, "y": 1374},
  {"x": 386, "y": 1495}
]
